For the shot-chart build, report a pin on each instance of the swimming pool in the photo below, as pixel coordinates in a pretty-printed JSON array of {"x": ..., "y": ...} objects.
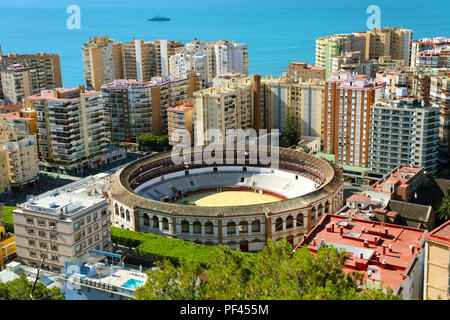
[{"x": 132, "y": 284}]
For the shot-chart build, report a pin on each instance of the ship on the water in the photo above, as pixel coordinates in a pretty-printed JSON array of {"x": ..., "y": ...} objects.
[{"x": 159, "y": 18}]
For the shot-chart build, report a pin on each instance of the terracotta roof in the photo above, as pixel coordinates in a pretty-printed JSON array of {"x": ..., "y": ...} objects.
[
  {"x": 441, "y": 234},
  {"x": 358, "y": 198},
  {"x": 397, "y": 264}
]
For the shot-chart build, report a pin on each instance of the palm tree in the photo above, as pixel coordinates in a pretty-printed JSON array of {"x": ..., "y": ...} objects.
[{"x": 444, "y": 207}]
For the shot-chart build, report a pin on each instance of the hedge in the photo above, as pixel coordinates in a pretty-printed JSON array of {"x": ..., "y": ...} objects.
[
  {"x": 160, "y": 248},
  {"x": 7, "y": 215}
]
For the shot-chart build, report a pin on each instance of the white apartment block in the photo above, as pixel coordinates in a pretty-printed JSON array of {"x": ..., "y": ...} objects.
[
  {"x": 403, "y": 131},
  {"x": 56, "y": 226}
]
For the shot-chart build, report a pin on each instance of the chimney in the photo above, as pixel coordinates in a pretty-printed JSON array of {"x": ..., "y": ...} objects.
[
  {"x": 386, "y": 232},
  {"x": 390, "y": 248},
  {"x": 384, "y": 249},
  {"x": 366, "y": 243},
  {"x": 328, "y": 228},
  {"x": 377, "y": 258},
  {"x": 341, "y": 231},
  {"x": 412, "y": 247},
  {"x": 376, "y": 240},
  {"x": 314, "y": 241},
  {"x": 361, "y": 255},
  {"x": 332, "y": 227},
  {"x": 363, "y": 229},
  {"x": 384, "y": 262}
]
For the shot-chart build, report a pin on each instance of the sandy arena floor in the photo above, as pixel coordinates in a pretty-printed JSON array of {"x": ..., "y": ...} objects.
[{"x": 228, "y": 198}]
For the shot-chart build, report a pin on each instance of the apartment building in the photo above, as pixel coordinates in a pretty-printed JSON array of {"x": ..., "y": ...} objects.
[
  {"x": 305, "y": 71},
  {"x": 48, "y": 62},
  {"x": 71, "y": 129},
  {"x": 19, "y": 81},
  {"x": 56, "y": 226},
  {"x": 440, "y": 96},
  {"x": 24, "y": 120},
  {"x": 348, "y": 101},
  {"x": 234, "y": 104},
  {"x": 179, "y": 117},
  {"x": 291, "y": 96},
  {"x": 394, "y": 42},
  {"x": 436, "y": 282},
  {"x": 403, "y": 131},
  {"x": 146, "y": 59},
  {"x": 102, "y": 62},
  {"x": 19, "y": 154},
  {"x": 426, "y": 44},
  {"x": 133, "y": 107},
  {"x": 434, "y": 58},
  {"x": 210, "y": 59}
]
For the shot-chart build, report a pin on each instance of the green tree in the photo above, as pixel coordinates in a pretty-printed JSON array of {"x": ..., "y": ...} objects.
[
  {"x": 20, "y": 289},
  {"x": 444, "y": 207},
  {"x": 291, "y": 131},
  {"x": 273, "y": 273},
  {"x": 153, "y": 141}
]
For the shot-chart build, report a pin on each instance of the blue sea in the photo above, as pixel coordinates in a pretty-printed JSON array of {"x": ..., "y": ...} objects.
[{"x": 277, "y": 31}]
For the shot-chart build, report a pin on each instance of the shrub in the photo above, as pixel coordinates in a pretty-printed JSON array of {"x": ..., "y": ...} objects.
[
  {"x": 8, "y": 217},
  {"x": 161, "y": 248}
]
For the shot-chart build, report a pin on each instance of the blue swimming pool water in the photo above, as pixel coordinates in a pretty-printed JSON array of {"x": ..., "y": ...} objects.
[{"x": 132, "y": 283}]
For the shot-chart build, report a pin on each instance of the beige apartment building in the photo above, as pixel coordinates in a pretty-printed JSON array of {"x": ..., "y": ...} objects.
[
  {"x": 291, "y": 96},
  {"x": 233, "y": 104},
  {"x": 19, "y": 154},
  {"x": 348, "y": 101},
  {"x": 56, "y": 226},
  {"x": 394, "y": 42},
  {"x": 436, "y": 284},
  {"x": 179, "y": 117},
  {"x": 133, "y": 107},
  {"x": 71, "y": 129},
  {"x": 19, "y": 81},
  {"x": 305, "y": 71},
  {"x": 102, "y": 62},
  {"x": 49, "y": 63}
]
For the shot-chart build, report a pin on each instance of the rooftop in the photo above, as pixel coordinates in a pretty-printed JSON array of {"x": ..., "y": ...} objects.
[
  {"x": 56, "y": 202},
  {"x": 400, "y": 175},
  {"x": 381, "y": 252},
  {"x": 441, "y": 234}
]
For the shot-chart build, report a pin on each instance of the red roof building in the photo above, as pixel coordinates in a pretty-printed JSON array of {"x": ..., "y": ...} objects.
[{"x": 386, "y": 255}]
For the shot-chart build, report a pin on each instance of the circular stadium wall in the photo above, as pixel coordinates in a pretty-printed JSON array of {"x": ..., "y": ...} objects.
[{"x": 155, "y": 195}]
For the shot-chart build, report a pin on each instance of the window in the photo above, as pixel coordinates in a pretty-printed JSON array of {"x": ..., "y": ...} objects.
[
  {"x": 96, "y": 216},
  {"x": 82, "y": 222},
  {"x": 88, "y": 218},
  {"x": 31, "y": 243},
  {"x": 77, "y": 248},
  {"x": 256, "y": 226},
  {"x": 30, "y": 221},
  {"x": 165, "y": 224},
  {"x": 41, "y": 223},
  {"x": 53, "y": 247},
  {"x": 32, "y": 253},
  {"x": 76, "y": 226},
  {"x": 103, "y": 212},
  {"x": 96, "y": 226},
  {"x": 105, "y": 243},
  {"x": 231, "y": 228},
  {"x": 53, "y": 236},
  {"x": 243, "y": 227},
  {"x": 209, "y": 228},
  {"x": 83, "y": 245},
  {"x": 52, "y": 224},
  {"x": 279, "y": 224},
  {"x": 55, "y": 258},
  {"x": 42, "y": 234},
  {"x": 96, "y": 238},
  {"x": 146, "y": 220},
  {"x": 197, "y": 227},
  {"x": 90, "y": 241},
  {"x": 105, "y": 233},
  {"x": 89, "y": 230}
]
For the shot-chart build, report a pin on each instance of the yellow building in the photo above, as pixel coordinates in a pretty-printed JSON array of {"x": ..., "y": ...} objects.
[
  {"x": 179, "y": 117},
  {"x": 24, "y": 120},
  {"x": 437, "y": 263},
  {"x": 102, "y": 61},
  {"x": 235, "y": 103},
  {"x": 18, "y": 151},
  {"x": 7, "y": 243},
  {"x": 303, "y": 99}
]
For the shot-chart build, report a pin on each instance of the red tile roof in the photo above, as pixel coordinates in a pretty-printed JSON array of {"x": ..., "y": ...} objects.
[
  {"x": 441, "y": 234},
  {"x": 390, "y": 266},
  {"x": 358, "y": 198}
]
